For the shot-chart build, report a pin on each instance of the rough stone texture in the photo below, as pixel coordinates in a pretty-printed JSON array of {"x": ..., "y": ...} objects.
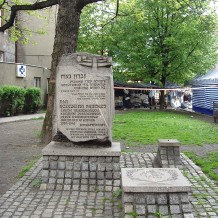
[
  {"x": 25, "y": 200},
  {"x": 168, "y": 154},
  {"x": 84, "y": 99},
  {"x": 146, "y": 207},
  {"x": 154, "y": 180},
  {"x": 80, "y": 165},
  {"x": 155, "y": 191},
  {"x": 71, "y": 151}
]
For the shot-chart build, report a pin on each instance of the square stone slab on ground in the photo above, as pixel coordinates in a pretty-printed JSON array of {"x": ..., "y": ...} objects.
[{"x": 154, "y": 180}]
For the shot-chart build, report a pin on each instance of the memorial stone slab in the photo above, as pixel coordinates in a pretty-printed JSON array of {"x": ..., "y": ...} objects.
[
  {"x": 84, "y": 105},
  {"x": 154, "y": 180}
]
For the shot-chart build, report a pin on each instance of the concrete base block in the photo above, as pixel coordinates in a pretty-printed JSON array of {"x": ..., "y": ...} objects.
[
  {"x": 67, "y": 167},
  {"x": 155, "y": 191},
  {"x": 168, "y": 154}
]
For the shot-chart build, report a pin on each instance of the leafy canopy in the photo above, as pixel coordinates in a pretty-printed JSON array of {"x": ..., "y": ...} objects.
[{"x": 154, "y": 40}]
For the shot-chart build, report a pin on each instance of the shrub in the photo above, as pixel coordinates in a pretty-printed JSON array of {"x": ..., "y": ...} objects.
[
  {"x": 12, "y": 100},
  {"x": 33, "y": 100}
]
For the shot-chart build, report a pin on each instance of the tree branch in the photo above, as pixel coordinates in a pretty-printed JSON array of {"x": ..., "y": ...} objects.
[
  {"x": 115, "y": 16},
  {"x": 27, "y": 7}
]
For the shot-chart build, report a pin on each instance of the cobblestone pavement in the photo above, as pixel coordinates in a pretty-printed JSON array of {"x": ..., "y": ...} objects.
[{"x": 25, "y": 199}]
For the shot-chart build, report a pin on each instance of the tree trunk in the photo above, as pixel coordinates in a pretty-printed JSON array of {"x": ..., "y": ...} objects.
[
  {"x": 162, "y": 98},
  {"x": 66, "y": 35}
]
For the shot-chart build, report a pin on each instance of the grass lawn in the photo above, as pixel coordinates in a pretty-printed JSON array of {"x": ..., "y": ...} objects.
[
  {"x": 208, "y": 163},
  {"x": 146, "y": 127}
]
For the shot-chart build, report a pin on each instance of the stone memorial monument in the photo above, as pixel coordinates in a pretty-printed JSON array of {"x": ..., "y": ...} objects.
[{"x": 82, "y": 146}]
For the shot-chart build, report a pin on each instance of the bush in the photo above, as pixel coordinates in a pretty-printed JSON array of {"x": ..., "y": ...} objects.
[
  {"x": 32, "y": 100},
  {"x": 12, "y": 100}
]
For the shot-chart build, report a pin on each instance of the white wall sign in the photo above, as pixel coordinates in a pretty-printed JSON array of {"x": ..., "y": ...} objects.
[{"x": 21, "y": 70}]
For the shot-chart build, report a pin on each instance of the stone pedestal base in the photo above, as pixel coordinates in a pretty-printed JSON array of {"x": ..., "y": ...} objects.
[
  {"x": 168, "y": 154},
  {"x": 67, "y": 167},
  {"x": 155, "y": 193}
]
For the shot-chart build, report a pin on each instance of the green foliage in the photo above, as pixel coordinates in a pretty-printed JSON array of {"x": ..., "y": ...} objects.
[
  {"x": 152, "y": 40},
  {"x": 117, "y": 193},
  {"x": 26, "y": 169},
  {"x": 208, "y": 164},
  {"x": 36, "y": 183},
  {"x": 12, "y": 100},
  {"x": 15, "y": 100},
  {"x": 146, "y": 127},
  {"x": 32, "y": 100},
  {"x": 133, "y": 214},
  {"x": 20, "y": 32}
]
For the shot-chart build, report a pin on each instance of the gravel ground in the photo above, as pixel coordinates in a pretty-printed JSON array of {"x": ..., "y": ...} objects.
[{"x": 19, "y": 144}]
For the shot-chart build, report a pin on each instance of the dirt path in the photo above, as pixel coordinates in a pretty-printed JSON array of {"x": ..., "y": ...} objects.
[{"x": 19, "y": 145}]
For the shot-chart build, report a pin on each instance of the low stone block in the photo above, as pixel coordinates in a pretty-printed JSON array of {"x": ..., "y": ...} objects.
[
  {"x": 53, "y": 157},
  {"x": 92, "y": 175},
  {"x": 162, "y": 199},
  {"x": 175, "y": 209},
  {"x": 93, "y": 166},
  {"x": 163, "y": 209},
  {"x": 128, "y": 198},
  {"x": 140, "y": 198},
  {"x": 68, "y": 174},
  {"x": 45, "y": 158},
  {"x": 152, "y": 208},
  {"x": 69, "y": 165},
  {"x": 150, "y": 198},
  {"x": 60, "y": 174},
  {"x": 67, "y": 187},
  {"x": 45, "y": 165},
  {"x": 116, "y": 167},
  {"x": 186, "y": 208},
  {"x": 85, "y": 174},
  {"x": 116, "y": 175},
  {"x": 100, "y": 175},
  {"x": 85, "y": 166},
  {"x": 53, "y": 165},
  {"x": 140, "y": 209},
  {"x": 52, "y": 180},
  {"x": 108, "y": 175},
  {"x": 60, "y": 181},
  {"x": 76, "y": 175},
  {"x": 174, "y": 198},
  {"x": 62, "y": 158},
  {"x": 67, "y": 181},
  {"x": 77, "y": 166},
  {"x": 128, "y": 208},
  {"x": 102, "y": 167},
  {"x": 53, "y": 173},
  {"x": 45, "y": 173},
  {"x": 101, "y": 159},
  {"x": 61, "y": 165}
]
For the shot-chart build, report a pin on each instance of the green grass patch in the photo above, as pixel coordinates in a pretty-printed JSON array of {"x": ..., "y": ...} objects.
[
  {"x": 208, "y": 163},
  {"x": 146, "y": 127},
  {"x": 37, "y": 182},
  {"x": 26, "y": 169}
]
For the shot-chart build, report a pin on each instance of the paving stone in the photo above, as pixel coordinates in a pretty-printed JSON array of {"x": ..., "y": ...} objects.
[{"x": 84, "y": 194}]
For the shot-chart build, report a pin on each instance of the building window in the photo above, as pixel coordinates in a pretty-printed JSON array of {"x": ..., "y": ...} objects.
[{"x": 37, "y": 82}]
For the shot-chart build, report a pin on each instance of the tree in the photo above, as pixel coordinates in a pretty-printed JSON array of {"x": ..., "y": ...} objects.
[
  {"x": 162, "y": 40},
  {"x": 66, "y": 35}
]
